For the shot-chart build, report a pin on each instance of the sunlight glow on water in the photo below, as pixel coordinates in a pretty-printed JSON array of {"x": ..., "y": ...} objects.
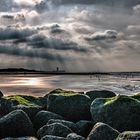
[{"x": 28, "y": 82}]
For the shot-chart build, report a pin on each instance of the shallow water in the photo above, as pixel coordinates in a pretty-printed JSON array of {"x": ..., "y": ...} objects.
[{"x": 39, "y": 85}]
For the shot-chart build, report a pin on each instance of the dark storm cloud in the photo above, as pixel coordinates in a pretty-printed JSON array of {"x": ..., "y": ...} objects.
[
  {"x": 106, "y": 2},
  {"x": 108, "y": 34},
  {"x": 32, "y": 53},
  {"x": 40, "y": 41},
  {"x": 7, "y": 33},
  {"x": 56, "y": 29}
]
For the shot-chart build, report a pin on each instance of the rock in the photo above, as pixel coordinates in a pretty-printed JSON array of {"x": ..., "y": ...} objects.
[
  {"x": 69, "y": 124},
  {"x": 73, "y": 136},
  {"x": 100, "y": 94},
  {"x": 29, "y": 101},
  {"x": 49, "y": 137},
  {"x": 55, "y": 129},
  {"x": 60, "y": 91},
  {"x": 103, "y": 131},
  {"x": 1, "y": 94},
  {"x": 16, "y": 124},
  {"x": 6, "y": 106},
  {"x": 21, "y": 138},
  {"x": 84, "y": 127},
  {"x": 43, "y": 117},
  {"x": 129, "y": 135},
  {"x": 31, "y": 111},
  {"x": 73, "y": 107},
  {"x": 120, "y": 112},
  {"x": 136, "y": 96}
]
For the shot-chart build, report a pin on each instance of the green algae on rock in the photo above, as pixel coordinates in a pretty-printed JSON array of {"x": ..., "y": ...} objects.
[
  {"x": 27, "y": 100},
  {"x": 120, "y": 112},
  {"x": 61, "y": 91}
]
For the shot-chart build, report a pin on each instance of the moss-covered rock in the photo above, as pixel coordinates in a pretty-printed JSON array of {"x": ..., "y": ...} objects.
[
  {"x": 100, "y": 94},
  {"x": 71, "y": 106},
  {"x": 27, "y": 100},
  {"x": 129, "y": 135},
  {"x": 42, "y": 118},
  {"x": 16, "y": 124},
  {"x": 69, "y": 124},
  {"x": 120, "y": 112},
  {"x": 136, "y": 96},
  {"x": 84, "y": 127},
  {"x": 60, "y": 91},
  {"x": 55, "y": 129}
]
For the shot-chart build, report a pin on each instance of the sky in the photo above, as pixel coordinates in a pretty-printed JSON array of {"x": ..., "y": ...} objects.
[{"x": 74, "y": 35}]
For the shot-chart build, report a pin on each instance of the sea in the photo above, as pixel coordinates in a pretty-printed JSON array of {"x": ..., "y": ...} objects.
[{"x": 41, "y": 84}]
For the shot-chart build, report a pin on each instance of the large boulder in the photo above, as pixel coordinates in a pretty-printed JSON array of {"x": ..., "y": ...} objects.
[
  {"x": 100, "y": 94},
  {"x": 129, "y": 135},
  {"x": 1, "y": 94},
  {"x": 120, "y": 112},
  {"x": 69, "y": 124},
  {"x": 62, "y": 91},
  {"x": 74, "y": 136},
  {"x": 84, "y": 127},
  {"x": 43, "y": 117},
  {"x": 6, "y": 106},
  {"x": 103, "y": 131},
  {"x": 55, "y": 129},
  {"x": 49, "y": 137},
  {"x": 73, "y": 107},
  {"x": 31, "y": 111},
  {"x": 21, "y": 138},
  {"x": 16, "y": 124}
]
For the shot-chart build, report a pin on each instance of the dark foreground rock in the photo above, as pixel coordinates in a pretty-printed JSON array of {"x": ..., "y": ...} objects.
[
  {"x": 62, "y": 91},
  {"x": 43, "y": 117},
  {"x": 100, "y": 94},
  {"x": 129, "y": 135},
  {"x": 103, "y": 131},
  {"x": 16, "y": 124},
  {"x": 1, "y": 94},
  {"x": 120, "y": 112},
  {"x": 73, "y": 107},
  {"x": 69, "y": 124},
  {"x": 21, "y": 138},
  {"x": 84, "y": 127},
  {"x": 49, "y": 137},
  {"x": 55, "y": 129},
  {"x": 6, "y": 106},
  {"x": 31, "y": 111},
  {"x": 74, "y": 136}
]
